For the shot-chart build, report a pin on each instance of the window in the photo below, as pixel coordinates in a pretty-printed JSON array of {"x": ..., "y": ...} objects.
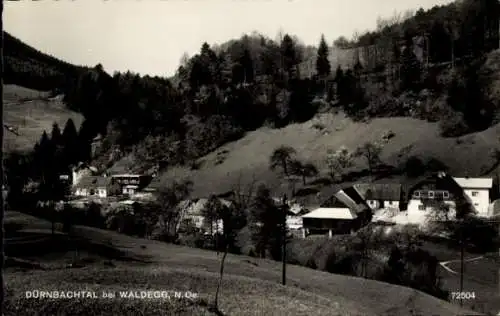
[
  {"x": 431, "y": 194},
  {"x": 476, "y": 204},
  {"x": 475, "y": 193},
  {"x": 421, "y": 207},
  {"x": 416, "y": 194},
  {"x": 446, "y": 194},
  {"x": 390, "y": 202}
]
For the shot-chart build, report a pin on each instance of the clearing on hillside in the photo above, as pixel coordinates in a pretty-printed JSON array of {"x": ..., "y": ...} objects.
[
  {"x": 248, "y": 157},
  {"x": 28, "y": 113}
]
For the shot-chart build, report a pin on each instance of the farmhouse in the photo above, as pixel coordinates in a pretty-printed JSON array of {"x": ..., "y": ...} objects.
[
  {"x": 80, "y": 171},
  {"x": 380, "y": 195},
  {"x": 433, "y": 197},
  {"x": 477, "y": 192},
  {"x": 93, "y": 186},
  {"x": 192, "y": 212},
  {"x": 130, "y": 183},
  {"x": 344, "y": 212}
]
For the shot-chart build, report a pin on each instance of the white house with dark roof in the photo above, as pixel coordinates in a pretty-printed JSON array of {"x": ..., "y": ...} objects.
[
  {"x": 380, "y": 195},
  {"x": 477, "y": 191},
  {"x": 92, "y": 186}
]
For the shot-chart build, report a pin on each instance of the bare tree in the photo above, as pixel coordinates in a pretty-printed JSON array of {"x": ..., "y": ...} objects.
[
  {"x": 303, "y": 170},
  {"x": 368, "y": 240},
  {"x": 168, "y": 203},
  {"x": 281, "y": 158},
  {"x": 371, "y": 153},
  {"x": 240, "y": 201},
  {"x": 338, "y": 161}
]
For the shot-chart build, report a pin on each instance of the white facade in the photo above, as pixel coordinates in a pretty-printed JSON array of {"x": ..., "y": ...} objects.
[
  {"x": 294, "y": 222},
  {"x": 375, "y": 205},
  {"x": 477, "y": 191},
  {"x": 418, "y": 213},
  {"x": 102, "y": 192},
  {"x": 479, "y": 199},
  {"x": 129, "y": 189},
  {"x": 82, "y": 192}
]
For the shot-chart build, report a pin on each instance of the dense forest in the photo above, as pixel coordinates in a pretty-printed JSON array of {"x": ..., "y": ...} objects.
[
  {"x": 402, "y": 69},
  {"x": 30, "y": 68}
]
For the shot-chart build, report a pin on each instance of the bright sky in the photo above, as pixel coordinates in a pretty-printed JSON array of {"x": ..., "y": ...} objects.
[{"x": 149, "y": 37}]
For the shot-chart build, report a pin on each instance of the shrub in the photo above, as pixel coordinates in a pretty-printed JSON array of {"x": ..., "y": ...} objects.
[
  {"x": 196, "y": 240},
  {"x": 453, "y": 125},
  {"x": 311, "y": 263},
  {"x": 416, "y": 269}
]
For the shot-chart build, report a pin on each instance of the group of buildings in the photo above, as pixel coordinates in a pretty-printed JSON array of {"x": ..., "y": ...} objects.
[
  {"x": 84, "y": 183},
  {"x": 430, "y": 198},
  {"x": 344, "y": 211}
]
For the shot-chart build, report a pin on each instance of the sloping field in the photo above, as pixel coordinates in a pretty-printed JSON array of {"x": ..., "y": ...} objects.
[
  {"x": 250, "y": 287},
  {"x": 30, "y": 112},
  {"x": 249, "y": 156}
]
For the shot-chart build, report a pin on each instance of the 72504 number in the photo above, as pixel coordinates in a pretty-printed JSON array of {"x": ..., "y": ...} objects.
[{"x": 463, "y": 295}]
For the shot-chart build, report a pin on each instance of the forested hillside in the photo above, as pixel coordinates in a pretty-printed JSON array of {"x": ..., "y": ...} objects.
[
  {"x": 30, "y": 68},
  {"x": 222, "y": 92}
]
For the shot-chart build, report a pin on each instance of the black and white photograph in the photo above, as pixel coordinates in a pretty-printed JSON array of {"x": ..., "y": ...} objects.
[{"x": 258, "y": 157}]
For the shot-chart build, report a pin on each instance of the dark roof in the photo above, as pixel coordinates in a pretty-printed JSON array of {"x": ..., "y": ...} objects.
[
  {"x": 444, "y": 181},
  {"x": 333, "y": 202},
  {"x": 336, "y": 200},
  {"x": 354, "y": 195},
  {"x": 379, "y": 191},
  {"x": 93, "y": 182}
]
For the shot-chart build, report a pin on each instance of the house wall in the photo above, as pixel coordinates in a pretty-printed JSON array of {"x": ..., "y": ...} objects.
[
  {"x": 82, "y": 192},
  {"x": 337, "y": 226},
  {"x": 480, "y": 200},
  {"x": 76, "y": 176},
  {"x": 375, "y": 204},
  {"x": 102, "y": 192},
  {"x": 416, "y": 215},
  {"x": 294, "y": 222}
]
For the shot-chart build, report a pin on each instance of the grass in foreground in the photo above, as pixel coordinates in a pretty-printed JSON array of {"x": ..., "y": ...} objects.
[{"x": 250, "y": 287}]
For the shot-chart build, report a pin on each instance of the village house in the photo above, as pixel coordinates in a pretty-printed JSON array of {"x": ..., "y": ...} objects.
[
  {"x": 381, "y": 195},
  {"x": 78, "y": 172},
  {"x": 93, "y": 186},
  {"x": 428, "y": 196},
  {"x": 478, "y": 192},
  {"x": 343, "y": 213},
  {"x": 191, "y": 212},
  {"x": 130, "y": 183},
  {"x": 432, "y": 197}
]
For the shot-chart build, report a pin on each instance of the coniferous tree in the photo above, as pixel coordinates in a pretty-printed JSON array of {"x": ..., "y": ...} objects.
[
  {"x": 70, "y": 143},
  {"x": 290, "y": 57},
  {"x": 323, "y": 67},
  {"x": 266, "y": 224},
  {"x": 411, "y": 68}
]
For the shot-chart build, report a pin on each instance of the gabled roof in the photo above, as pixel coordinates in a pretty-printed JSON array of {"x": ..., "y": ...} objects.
[
  {"x": 90, "y": 182},
  {"x": 331, "y": 213},
  {"x": 441, "y": 179},
  {"x": 475, "y": 183},
  {"x": 345, "y": 204},
  {"x": 379, "y": 191}
]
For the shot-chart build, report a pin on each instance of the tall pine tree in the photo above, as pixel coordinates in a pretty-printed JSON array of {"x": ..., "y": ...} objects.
[
  {"x": 70, "y": 143},
  {"x": 323, "y": 67}
]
